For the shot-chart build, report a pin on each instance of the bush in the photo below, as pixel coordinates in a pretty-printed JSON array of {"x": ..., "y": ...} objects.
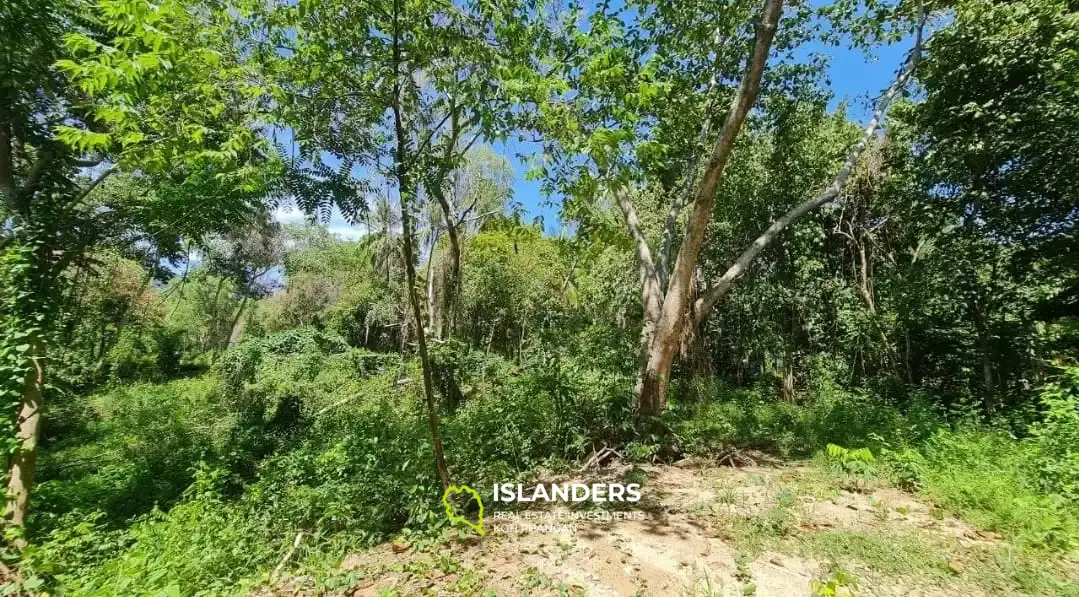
[
  {"x": 137, "y": 451},
  {"x": 1057, "y": 436},
  {"x": 992, "y": 480},
  {"x": 826, "y": 416}
]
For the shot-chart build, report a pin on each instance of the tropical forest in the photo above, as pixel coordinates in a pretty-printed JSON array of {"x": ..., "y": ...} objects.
[{"x": 539, "y": 297}]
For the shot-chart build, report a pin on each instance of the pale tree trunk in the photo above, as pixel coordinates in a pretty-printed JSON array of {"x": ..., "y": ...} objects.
[
  {"x": 450, "y": 218},
  {"x": 236, "y": 328},
  {"x": 651, "y": 292},
  {"x": 407, "y": 193},
  {"x": 434, "y": 313},
  {"x": 453, "y": 278},
  {"x": 985, "y": 353},
  {"x": 23, "y": 461},
  {"x": 665, "y": 331},
  {"x": 786, "y": 386},
  {"x": 660, "y": 333},
  {"x": 453, "y": 285}
]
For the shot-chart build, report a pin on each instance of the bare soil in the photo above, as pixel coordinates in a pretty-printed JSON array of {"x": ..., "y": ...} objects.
[{"x": 707, "y": 530}]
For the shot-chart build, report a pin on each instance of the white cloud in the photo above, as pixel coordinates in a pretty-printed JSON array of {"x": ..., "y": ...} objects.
[
  {"x": 288, "y": 215},
  {"x": 347, "y": 232}
]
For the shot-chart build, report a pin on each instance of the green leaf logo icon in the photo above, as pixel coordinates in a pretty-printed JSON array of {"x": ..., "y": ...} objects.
[{"x": 454, "y": 490}]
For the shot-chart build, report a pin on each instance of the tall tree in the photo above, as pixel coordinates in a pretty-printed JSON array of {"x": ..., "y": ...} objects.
[
  {"x": 125, "y": 85},
  {"x": 994, "y": 148},
  {"x": 245, "y": 256},
  {"x": 630, "y": 142},
  {"x": 473, "y": 193},
  {"x": 397, "y": 91}
]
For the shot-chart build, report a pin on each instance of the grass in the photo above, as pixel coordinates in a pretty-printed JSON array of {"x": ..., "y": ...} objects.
[
  {"x": 893, "y": 554},
  {"x": 970, "y": 475},
  {"x": 361, "y": 476}
]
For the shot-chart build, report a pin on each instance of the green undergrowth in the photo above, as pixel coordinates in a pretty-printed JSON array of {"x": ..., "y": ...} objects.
[{"x": 201, "y": 485}]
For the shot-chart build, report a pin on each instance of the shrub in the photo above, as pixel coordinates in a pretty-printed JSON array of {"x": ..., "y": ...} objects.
[
  {"x": 992, "y": 480},
  {"x": 1057, "y": 436}
]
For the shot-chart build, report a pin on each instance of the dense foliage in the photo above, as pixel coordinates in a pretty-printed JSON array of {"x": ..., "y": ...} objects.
[{"x": 190, "y": 386}]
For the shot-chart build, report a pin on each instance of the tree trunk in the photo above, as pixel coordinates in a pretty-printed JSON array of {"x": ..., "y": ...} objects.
[
  {"x": 654, "y": 384},
  {"x": 236, "y": 328},
  {"x": 985, "y": 352},
  {"x": 655, "y": 378},
  {"x": 421, "y": 342},
  {"x": 786, "y": 382},
  {"x": 452, "y": 296},
  {"x": 434, "y": 312},
  {"x": 407, "y": 194},
  {"x": 453, "y": 281},
  {"x": 23, "y": 461}
]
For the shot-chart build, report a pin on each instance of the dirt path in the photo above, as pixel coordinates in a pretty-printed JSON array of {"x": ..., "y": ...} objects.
[{"x": 706, "y": 531}]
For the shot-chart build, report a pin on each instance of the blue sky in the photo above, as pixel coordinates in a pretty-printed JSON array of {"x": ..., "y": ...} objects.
[{"x": 855, "y": 79}]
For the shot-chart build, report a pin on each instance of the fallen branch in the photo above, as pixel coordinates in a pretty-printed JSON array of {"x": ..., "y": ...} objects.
[
  {"x": 599, "y": 457},
  {"x": 288, "y": 556}
]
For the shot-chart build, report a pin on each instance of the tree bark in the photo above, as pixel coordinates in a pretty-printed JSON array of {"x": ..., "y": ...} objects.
[
  {"x": 453, "y": 282},
  {"x": 23, "y": 461},
  {"x": 434, "y": 313},
  {"x": 654, "y": 383},
  {"x": 7, "y": 162},
  {"x": 651, "y": 291},
  {"x": 235, "y": 329}
]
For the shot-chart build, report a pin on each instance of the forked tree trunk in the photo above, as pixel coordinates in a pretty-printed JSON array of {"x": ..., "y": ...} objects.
[
  {"x": 23, "y": 461},
  {"x": 654, "y": 384},
  {"x": 661, "y": 335}
]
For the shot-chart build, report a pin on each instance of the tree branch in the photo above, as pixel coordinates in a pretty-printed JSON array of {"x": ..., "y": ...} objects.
[
  {"x": 686, "y": 262},
  {"x": 93, "y": 185},
  {"x": 33, "y": 179},
  {"x": 633, "y": 226},
  {"x": 719, "y": 288},
  {"x": 685, "y": 194}
]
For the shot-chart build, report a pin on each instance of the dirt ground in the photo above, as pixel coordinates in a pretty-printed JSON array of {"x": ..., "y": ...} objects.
[{"x": 706, "y": 530}]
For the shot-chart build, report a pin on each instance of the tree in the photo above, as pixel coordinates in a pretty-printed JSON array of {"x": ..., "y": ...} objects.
[
  {"x": 131, "y": 87},
  {"x": 401, "y": 89},
  {"x": 472, "y": 194},
  {"x": 628, "y": 141},
  {"x": 245, "y": 256}
]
